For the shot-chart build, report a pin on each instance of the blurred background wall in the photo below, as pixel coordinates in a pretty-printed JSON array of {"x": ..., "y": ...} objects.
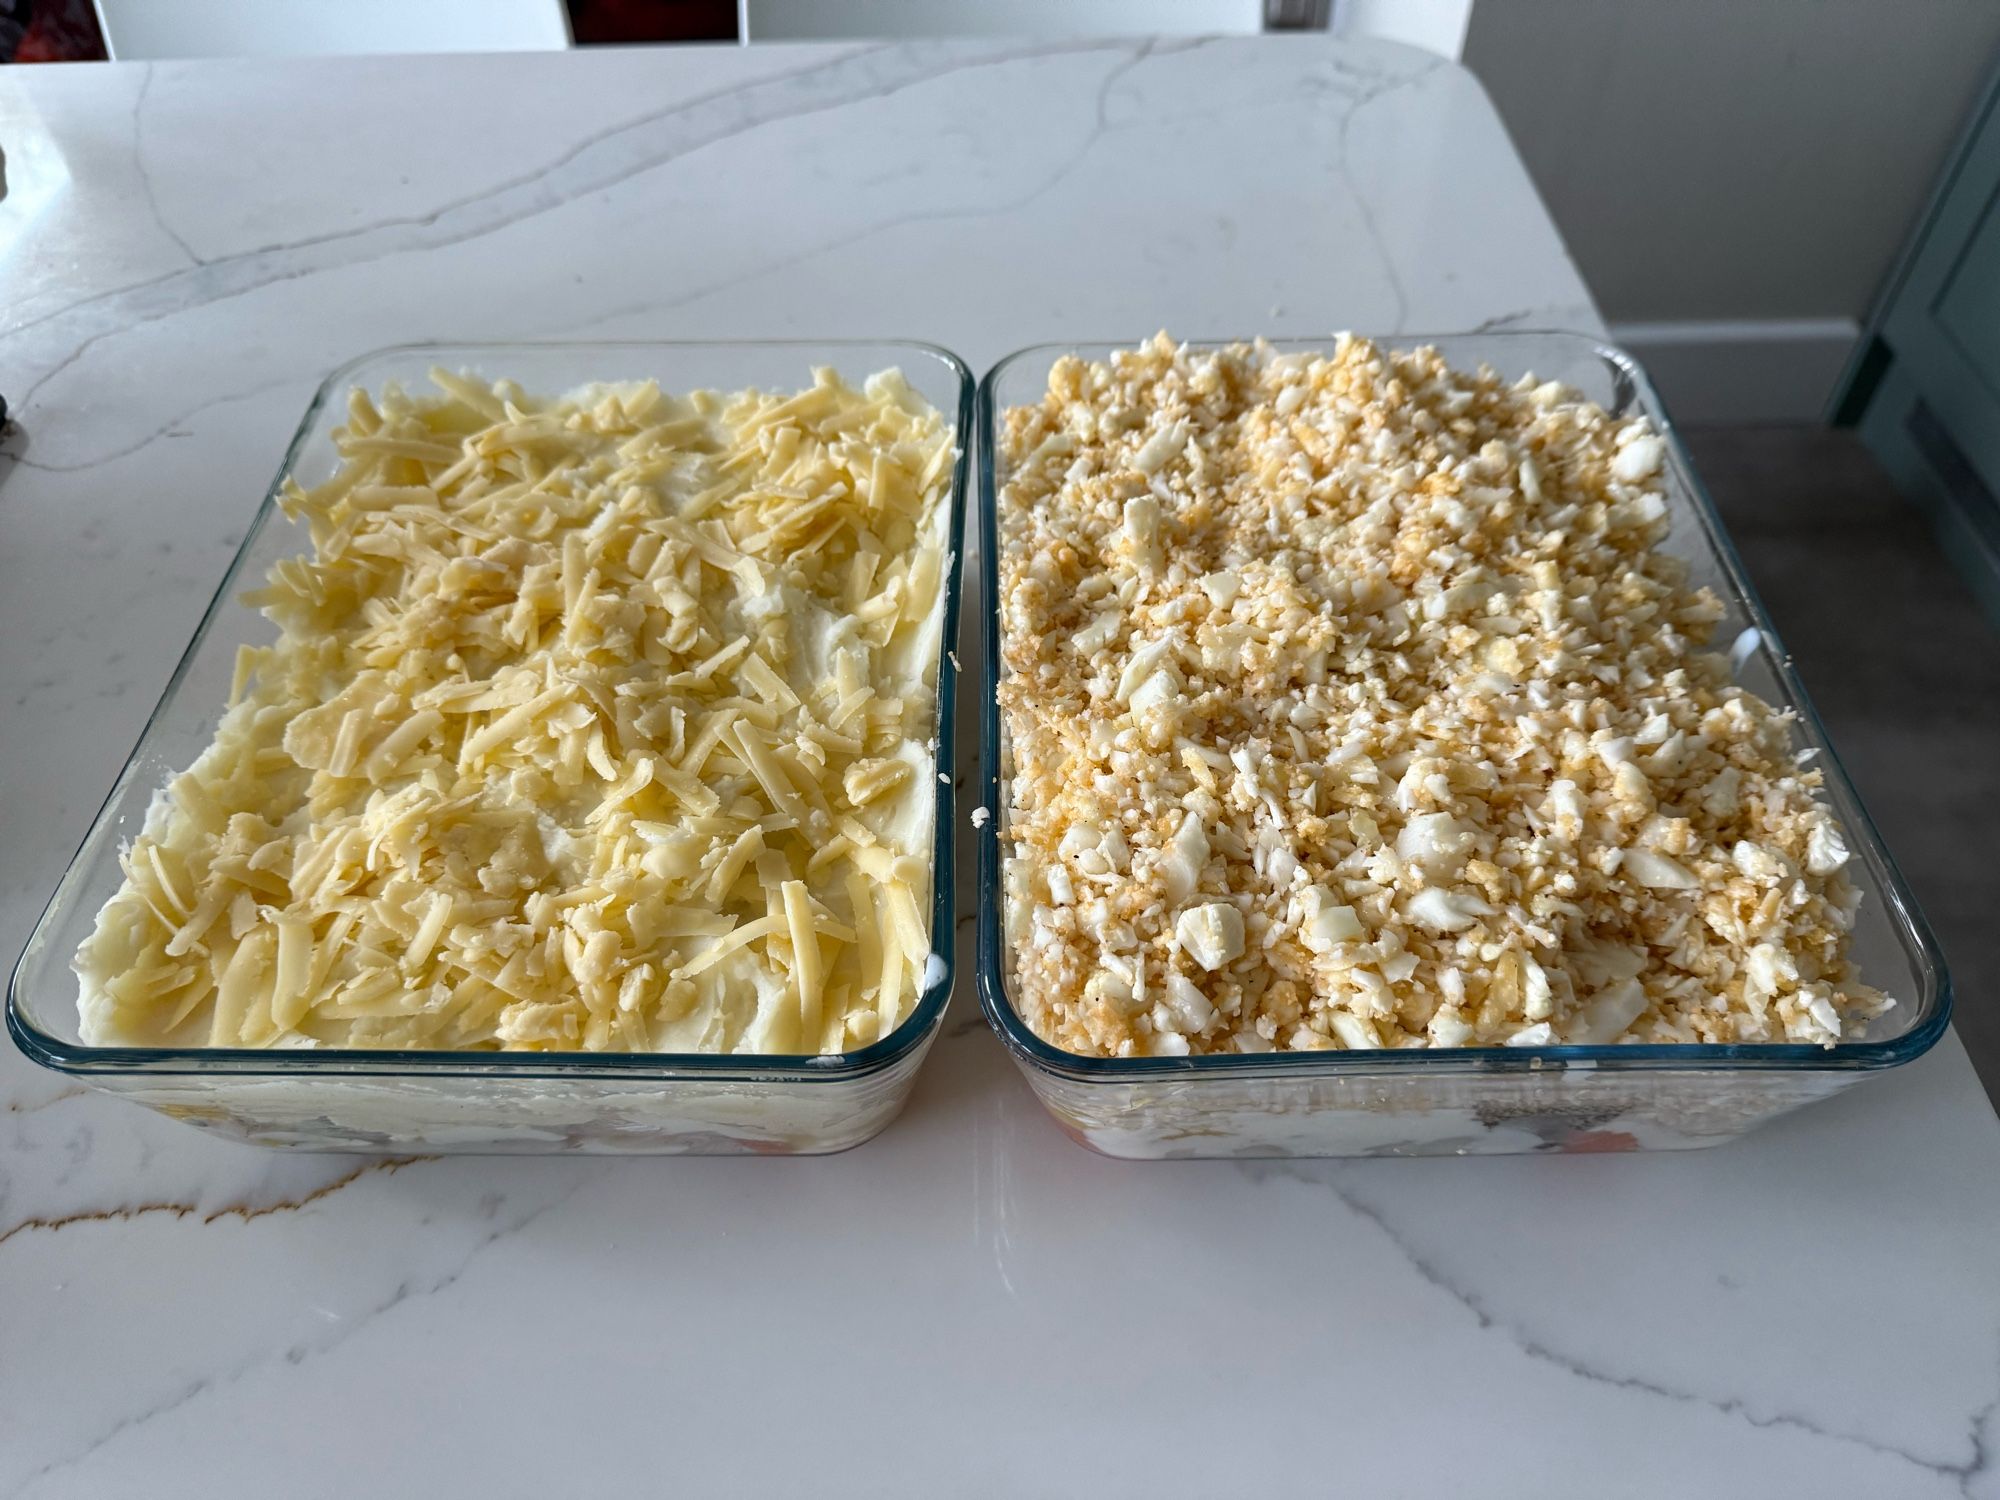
[{"x": 1736, "y": 178}]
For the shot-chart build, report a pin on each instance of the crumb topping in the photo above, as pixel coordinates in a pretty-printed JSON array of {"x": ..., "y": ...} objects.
[{"x": 1352, "y": 703}]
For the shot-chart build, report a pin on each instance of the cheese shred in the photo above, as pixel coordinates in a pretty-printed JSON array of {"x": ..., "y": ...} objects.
[{"x": 597, "y": 723}]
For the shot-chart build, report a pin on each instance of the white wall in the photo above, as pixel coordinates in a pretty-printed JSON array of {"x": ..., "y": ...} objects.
[
  {"x": 147, "y": 29},
  {"x": 800, "y": 20},
  {"x": 1734, "y": 159},
  {"x": 1435, "y": 25},
  {"x": 1438, "y": 25}
]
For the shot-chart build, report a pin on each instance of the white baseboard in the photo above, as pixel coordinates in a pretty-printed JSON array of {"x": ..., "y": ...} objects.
[{"x": 1743, "y": 370}]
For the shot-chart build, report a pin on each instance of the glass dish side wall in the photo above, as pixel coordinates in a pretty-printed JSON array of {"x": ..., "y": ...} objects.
[
  {"x": 430, "y": 1101},
  {"x": 465, "y": 1110},
  {"x": 1420, "y": 1112},
  {"x": 1469, "y": 1101}
]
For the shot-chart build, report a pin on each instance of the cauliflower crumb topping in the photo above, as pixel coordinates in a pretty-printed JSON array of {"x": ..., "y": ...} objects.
[{"x": 1352, "y": 704}]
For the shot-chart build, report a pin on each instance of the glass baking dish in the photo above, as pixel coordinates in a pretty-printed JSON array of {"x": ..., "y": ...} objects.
[
  {"x": 1467, "y": 1101},
  {"x": 379, "y": 1101}
]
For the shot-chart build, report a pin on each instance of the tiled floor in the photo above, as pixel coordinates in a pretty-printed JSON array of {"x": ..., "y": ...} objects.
[{"x": 1902, "y": 666}]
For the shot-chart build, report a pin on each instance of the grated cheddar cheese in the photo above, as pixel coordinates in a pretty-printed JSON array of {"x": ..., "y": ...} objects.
[{"x": 600, "y": 723}]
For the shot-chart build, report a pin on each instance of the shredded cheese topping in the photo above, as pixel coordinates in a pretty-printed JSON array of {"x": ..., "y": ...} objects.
[
  {"x": 599, "y": 723},
  {"x": 1351, "y": 704}
]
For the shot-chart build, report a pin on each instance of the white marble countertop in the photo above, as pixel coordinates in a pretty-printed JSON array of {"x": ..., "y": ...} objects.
[{"x": 969, "y": 1304}]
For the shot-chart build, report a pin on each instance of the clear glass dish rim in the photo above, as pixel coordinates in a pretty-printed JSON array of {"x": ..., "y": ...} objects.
[
  {"x": 80, "y": 1058},
  {"x": 1792, "y": 1057}
]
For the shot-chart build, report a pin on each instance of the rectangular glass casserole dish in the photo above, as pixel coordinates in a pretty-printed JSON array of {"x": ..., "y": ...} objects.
[
  {"x": 1466, "y": 1100},
  {"x": 409, "y": 1100}
]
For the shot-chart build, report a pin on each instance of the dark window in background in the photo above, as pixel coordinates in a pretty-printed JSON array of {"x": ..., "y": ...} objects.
[
  {"x": 595, "y": 22},
  {"x": 49, "y": 31}
]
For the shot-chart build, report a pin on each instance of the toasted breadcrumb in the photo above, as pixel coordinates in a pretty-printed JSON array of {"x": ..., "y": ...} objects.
[{"x": 1352, "y": 704}]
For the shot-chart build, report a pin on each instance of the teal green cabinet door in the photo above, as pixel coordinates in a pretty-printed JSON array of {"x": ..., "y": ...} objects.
[{"x": 1927, "y": 394}]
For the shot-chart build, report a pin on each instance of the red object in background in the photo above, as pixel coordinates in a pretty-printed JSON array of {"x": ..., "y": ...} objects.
[
  {"x": 61, "y": 31},
  {"x": 1601, "y": 1140},
  {"x": 598, "y": 22}
]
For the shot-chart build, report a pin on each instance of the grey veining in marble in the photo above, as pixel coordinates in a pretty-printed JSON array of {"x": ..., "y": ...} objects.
[{"x": 969, "y": 1304}]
